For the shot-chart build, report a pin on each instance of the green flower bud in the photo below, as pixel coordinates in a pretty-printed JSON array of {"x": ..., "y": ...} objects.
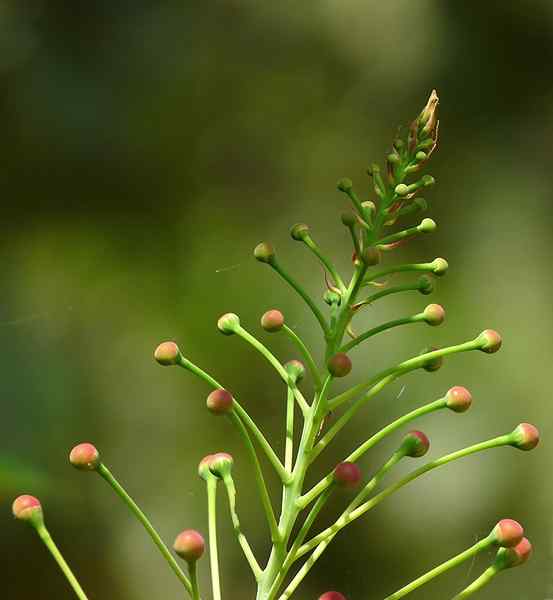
[
  {"x": 434, "y": 314},
  {"x": 345, "y": 185},
  {"x": 203, "y": 467},
  {"x": 508, "y": 533},
  {"x": 339, "y": 365},
  {"x": 85, "y": 457},
  {"x": 189, "y": 545},
  {"x": 513, "y": 557},
  {"x": 221, "y": 464},
  {"x": 28, "y": 508},
  {"x": 331, "y": 297},
  {"x": 299, "y": 231},
  {"x": 420, "y": 156},
  {"x": 220, "y": 402},
  {"x": 490, "y": 341},
  {"x": 415, "y": 444},
  {"x": 427, "y": 226},
  {"x": 228, "y": 323},
  {"x": 295, "y": 370},
  {"x": 427, "y": 180},
  {"x": 432, "y": 364},
  {"x": 167, "y": 354},
  {"x": 440, "y": 266},
  {"x": 458, "y": 399},
  {"x": 349, "y": 218},
  {"x": 525, "y": 437},
  {"x": 393, "y": 158},
  {"x": 426, "y": 285},
  {"x": 272, "y": 320},
  {"x": 264, "y": 252},
  {"x": 401, "y": 189}
]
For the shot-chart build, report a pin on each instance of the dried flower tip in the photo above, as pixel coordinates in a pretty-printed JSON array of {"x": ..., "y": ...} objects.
[
  {"x": 458, "y": 399},
  {"x": 525, "y": 437},
  {"x": 332, "y": 596},
  {"x": 228, "y": 323},
  {"x": 347, "y": 474},
  {"x": 370, "y": 256},
  {"x": 167, "y": 354},
  {"x": 349, "y": 218},
  {"x": 434, "y": 314},
  {"x": 513, "y": 557},
  {"x": 426, "y": 285},
  {"x": 439, "y": 266},
  {"x": 219, "y": 402},
  {"x": 429, "y": 111},
  {"x": 220, "y": 464},
  {"x": 264, "y": 252},
  {"x": 345, "y": 185},
  {"x": 339, "y": 365},
  {"x": 203, "y": 467},
  {"x": 490, "y": 341},
  {"x": 272, "y": 320},
  {"x": 427, "y": 226},
  {"x": 190, "y": 545},
  {"x": 415, "y": 444},
  {"x": 295, "y": 370},
  {"x": 27, "y": 508},
  {"x": 508, "y": 533},
  {"x": 85, "y": 457},
  {"x": 299, "y": 231},
  {"x": 401, "y": 189},
  {"x": 432, "y": 364}
]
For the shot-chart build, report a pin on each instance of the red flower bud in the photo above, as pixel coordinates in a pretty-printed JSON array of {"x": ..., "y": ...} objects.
[
  {"x": 272, "y": 320},
  {"x": 85, "y": 457},
  {"x": 332, "y": 596},
  {"x": 27, "y": 508},
  {"x": 434, "y": 314},
  {"x": 347, "y": 474},
  {"x": 189, "y": 545},
  {"x": 339, "y": 365},
  {"x": 219, "y": 402},
  {"x": 508, "y": 533},
  {"x": 490, "y": 341},
  {"x": 513, "y": 557},
  {"x": 415, "y": 444},
  {"x": 458, "y": 399},
  {"x": 525, "y": 437},
  {"x": 167, "y": 354}
]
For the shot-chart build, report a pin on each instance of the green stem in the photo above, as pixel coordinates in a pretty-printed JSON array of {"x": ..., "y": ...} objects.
[
  {"x": 400, "y": 235},
  {"x": 478, "y": 583},
  {"x": 212, "y": 524},
  {"x": 425, "y": 267},
  {"x": 311, "y": 365},
  {"x": 289, "y": 444},
  {"x": 193, "y": 572},
  {"x": 384, "y": 327},
  {"x": 480, "y": 546},
  {"x": 54, "y": 551},
  {"x": 242, "y": 540},
  {"x": 408, "y": 287},
  {"x": 105, "y": 473},
  {"x": 310, "y": 243}
]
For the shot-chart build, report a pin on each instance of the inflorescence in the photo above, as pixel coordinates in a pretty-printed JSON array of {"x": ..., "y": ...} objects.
[{"x": 294, "y": 547}]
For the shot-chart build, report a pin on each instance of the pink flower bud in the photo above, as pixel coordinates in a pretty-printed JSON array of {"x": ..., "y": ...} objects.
[
  {"x": 27, "y": 508},
  {"x": 508, "y": 533},
  {"x": 189, "y": 545},
  {"x": 332, "y": 596},
  {"x": 220, "y": 464},
  {"x": 264, "y": 252},
  {"x": 219, "y": 402},
  {"x": 434, "y": 314},
  {"x": 272, "y": 321},
  {"x": 459, "y": 399},
  {"x": 339, "y": 365},
  {"x": 167, "y": 354},
  {"x": 525, "y": 437},
  {"x": 228, "y": 323},
  {"x": 415, "y": 444},
  {"x": 85, "y": 457},
  {"x": 295, "y": 370},
  {"x": 203, "y": 467},
  {"x": 513, "y": 557},
  {"x": 490, "y": 341},
  {"x": 347, "y": 475}
]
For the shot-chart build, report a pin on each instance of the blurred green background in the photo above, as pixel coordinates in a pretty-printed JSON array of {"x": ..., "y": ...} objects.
[{"x": 146, "y": 148}]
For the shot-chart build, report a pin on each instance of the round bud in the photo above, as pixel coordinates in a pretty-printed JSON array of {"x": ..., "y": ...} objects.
[
  {"x": 525, "y": 437},
  {"x": 347, "y": 475},
  {"x": 332, "y": 596},
  {"x": 219, "y": 402},
  {"x": 349, "y": 219},
  {"x": 264, "y": 252},
  {"x": 458, "y": 399},
  {"x": 190, "y": 545},
  {"x": 369, "y": 205},
  {"x": 513, "y": 557},
  {"x": 203, "y": 467},
  {"x": 415, "y": 444},
  {"x": 167, "y": 354},
  {"x": 272, "y": 320},
  {"x": 440, "y": 266},
  {"x": 85, "y": 457},
  {"x": 220, "y": 464},
  {"x": 299, "y": 231},
  {"x": 401, "y": 189},
  {"x": 420, "y": 156},
  {"x": 490, "y": 341},
  {"x": 427, "y": 226},
  {"x": 339, "y": 365},
  {"x": 332, "y": 297},
  {"x": 434, "y": 314},
  {"x": 370, "y": 256},
  {"x": 295, "y": 370},
  {"x": 432, "y": 364},
  {"x": 393, "y": 158},
  {"x": 228, "y": 323},
  {"x": 27, "y": 508},
  {"x": 426, "y": 285},
  {"x": 508, "y": 533},
  {"x": 345, "y": 185},
  {"x": 427, "y": 180}
]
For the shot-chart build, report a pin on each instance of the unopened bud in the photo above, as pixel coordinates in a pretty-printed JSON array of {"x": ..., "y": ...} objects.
[
  {"x": 339, "y": 365},
  {"x": 427, "y": 226},
  {"x": 420, "y": 156},
  {"x": 220, "y": 402},
  {"x": 332, "y": 297},
  {"x": 272, "y": 320},
  {"x": 434, "y": 314},
  {"x": 426, "y": 285},
  {"x": 228, "y": 323},
  {"x": 345, "y": 185},
  {"x": 167, "y": 354},
  {"x": 415, "y": 444},
  {"x": 513, "y": 557},
  {"x": 370, "y": 256},
  {"x": 432, "y": 364},
  {"x": 220, "y": 464},
  {"x": 401, "y": 189},
  {"x": 27, "y": 508},
  {"x": 85, "y": 457},
  {"x": 458, "y": 399},
  {"x": 189, "y": 545},
  {"x": 440, "y": 266},
  {"x": 203, "y": 467},
  {"x": 299, "y": 231},
  {"x": 490, "y": 341},
  {"x": 347, "y": 475},
  {"x": 508, "y": 533},
  {"x": 525, "y": 437},
  {"x": 295, "y": 370},
  {"x": 393, "y": 158},
  {"x": 332, "y": 596},
  {"x": 427, "y": 180},
  {"x": 264, "y": 252},
  {"x": 349, "y": 219}
]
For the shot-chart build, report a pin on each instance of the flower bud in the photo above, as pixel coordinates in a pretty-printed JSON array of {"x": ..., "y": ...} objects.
[
  {"x": 345, "y": 185},
  {"x": 508, "y": 533},
  {"x": 219, "y": 402},
  {"x": 420, "y": 156},
  {"x": 427, "y": 180},
  {"x": 220, "y": 464},
  {"x": 393, "y": 158},
  {"x": 167, "y": 354},
  {"x": 332, "y": 297},
  {"x": 370, "y": 256},
  {"x": 264, "y": 252},
  {"x": 299, "y": 231},
  {"x": 228, "y": 323},
  {"x": 429, "y": 111},
  {"x": 85, "y": 457},
  {"x": 415, "y": 444},
  {"x": 272, "y": 321},
  {"x": 332, "y": 596},
  {"x": 347, "y": 475},
  {"x": 426, "y": 285},
  {"x": 203, "y": 467},
  {"x": 458, "y": 399},
  {"x": 434, "y": 314},
  {"x": 339, "y": 365},
  {"x": 190, "y": 545},
  {"x": 490, "y": 341},
  {"x": 295, "y": 370},
  {"x": 513, "y": 557},
  {"x": 349, "y": 219},
  {"x": 401, "y": 189},
  {"x": 432, "y": 364},
  {"x": 525, "y": 437},
  {"x": 440, "y": 266},
  {"x": 427, "y": 226},
  {"x": 27, "y": 508}
]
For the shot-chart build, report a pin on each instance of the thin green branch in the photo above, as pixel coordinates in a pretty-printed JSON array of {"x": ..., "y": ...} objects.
[
  {"x": 311, "y": 244},
  {"x": 289, "y": 444},
  {"x": 311, "y": 365},
  {"x": 419, "y": 318},
  {"x": 212, "y": 524}
]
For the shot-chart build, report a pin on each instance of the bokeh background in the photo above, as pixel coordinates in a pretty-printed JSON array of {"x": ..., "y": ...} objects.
[{"x": 146, "y": 148}]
